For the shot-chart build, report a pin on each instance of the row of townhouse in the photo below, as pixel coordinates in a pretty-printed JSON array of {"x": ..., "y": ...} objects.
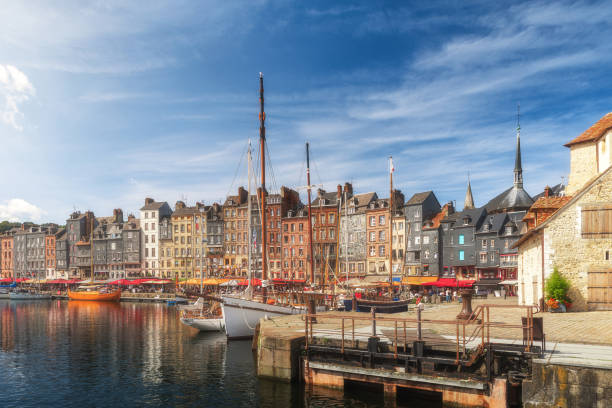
[{"x": 353, "y": 236}]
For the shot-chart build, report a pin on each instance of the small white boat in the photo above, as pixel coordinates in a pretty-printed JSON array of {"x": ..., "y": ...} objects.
[
  {"x": 203, "y": 319},
  {"x": 242, "y": 315},
  {"x": 28, "y": 296}
]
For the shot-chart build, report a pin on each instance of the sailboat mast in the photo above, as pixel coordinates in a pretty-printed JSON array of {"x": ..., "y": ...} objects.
[
  {"x": 391, "y": 224},
  {"x": 309, "y": 213},
  {"x": 262, "y": 147},
  {"x": 249, "y": 229},
  {"x": 346, "y": 227}
]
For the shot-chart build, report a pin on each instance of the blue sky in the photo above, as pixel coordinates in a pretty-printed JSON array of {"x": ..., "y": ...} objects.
[{"x": 103, "y": 103}]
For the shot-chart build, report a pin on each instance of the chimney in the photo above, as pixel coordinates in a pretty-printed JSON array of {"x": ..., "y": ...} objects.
[
  {"x": 339, "y": 191},
  {"x": 131, "y": 218},
  {"x": 149, "y": 200},
  {"x": 348, "y": 188},
  {"x": 546, "y": 191},
  {"x": 242, "y": 195},
  {"x": 320, "y": 192},
  {"x": 23, "y": 226},
  {"x": 118, "y": 215}
]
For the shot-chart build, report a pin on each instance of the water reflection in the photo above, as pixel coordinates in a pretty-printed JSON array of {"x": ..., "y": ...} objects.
[{"x": 61, "y": 353}]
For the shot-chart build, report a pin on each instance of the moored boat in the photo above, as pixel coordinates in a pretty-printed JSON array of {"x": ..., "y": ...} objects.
[
  {"x": 28, "y": 296},
  {"x": 95, "y": 295},
  {"x": 242, "y": 315},
  {"x": 204, "y": 319}
]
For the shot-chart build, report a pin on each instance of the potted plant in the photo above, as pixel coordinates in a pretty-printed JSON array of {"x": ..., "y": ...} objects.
[{"x": 556, "y": 292}]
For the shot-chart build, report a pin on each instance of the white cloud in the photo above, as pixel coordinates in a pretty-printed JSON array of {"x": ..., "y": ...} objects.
[
  {"x": 15, "y": 88},
  {"x": 17, "y": 209}
]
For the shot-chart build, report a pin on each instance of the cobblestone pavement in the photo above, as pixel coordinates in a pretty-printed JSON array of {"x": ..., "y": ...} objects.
[{"x": 580, "y": 327}]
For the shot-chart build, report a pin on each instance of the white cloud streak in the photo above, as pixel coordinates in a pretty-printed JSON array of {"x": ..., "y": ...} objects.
[{"x": 16, "y": 89}]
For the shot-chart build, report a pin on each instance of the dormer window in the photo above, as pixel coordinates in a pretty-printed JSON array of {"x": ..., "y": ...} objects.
[
  {"x": 466, "y": 220},
  {"x": 509, "y": 229}
]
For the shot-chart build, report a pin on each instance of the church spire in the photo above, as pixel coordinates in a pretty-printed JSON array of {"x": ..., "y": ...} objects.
[
  {"x": 468, "y": 204},
  {"x": 518, "y": 168}
]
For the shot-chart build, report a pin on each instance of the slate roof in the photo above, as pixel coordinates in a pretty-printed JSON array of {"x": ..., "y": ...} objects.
[
  {"x": 495, "y": 221},
  {"x": 475, "y": 214},
  {"x": 155, "y": 205},
  {"x": 594, "y": 132},
  {"x": 330, "y": 198},
  {"x": 557, "y": 190},
  {"x": 419, "y": 198},
  {"x": 514, "y": 198},
  {"x": 187, "y": 211}
]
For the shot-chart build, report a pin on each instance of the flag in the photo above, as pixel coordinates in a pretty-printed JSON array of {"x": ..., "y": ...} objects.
[{"x": 391, "y": 167}]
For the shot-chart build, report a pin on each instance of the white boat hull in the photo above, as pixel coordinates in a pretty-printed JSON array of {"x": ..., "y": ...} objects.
[
  {"x": 242, "y": 315},
  {"x": 28, "y": 296},
  {"x": 205, "y": 325}
]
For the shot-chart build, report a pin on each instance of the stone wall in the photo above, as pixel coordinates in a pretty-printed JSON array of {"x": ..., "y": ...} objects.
[
  {"x": 565, "y": 249},
  {"x": 583, "y": 166},
  {"x": 567, "y": 386}
]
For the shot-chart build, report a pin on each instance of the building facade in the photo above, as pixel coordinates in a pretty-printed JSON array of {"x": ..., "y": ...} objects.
[
  {"x": 324, "y": 218},
  {"x": 419, "y": 209},
  {"x": 150, "y": 215},
  {"x": 295, "y": 247},
  {"x": 377, "y": 233},
  {"x": 353, "y": 232},
  {"x": 6, "y": 246}
]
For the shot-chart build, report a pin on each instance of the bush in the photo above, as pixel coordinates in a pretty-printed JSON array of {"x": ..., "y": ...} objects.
[{"x": 557, "y": 287}]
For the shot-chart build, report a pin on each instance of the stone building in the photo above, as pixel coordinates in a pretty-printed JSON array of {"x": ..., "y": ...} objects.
[
  {"x": 108, "y": 247},
  {"x": 295, "y": 245},
  {"x": 324, "y": 218},
  {"x": 183, "y": 235},
  {"x": 166, "y": 248},
  {"x": 6, "y": 247},
  {"x": 150, "y": 215},
  {"x": 78, "y": 234},
  {"x": 431, "y": 243},
  {"x": 50, "y": 253},
  {"x": 377, "y": 233},
  {"x": 276, "y": 206},
  {"x": 420, "y": 208},
  {"x": 61, "y": 256},
  {"x": 132, "y": 253},
  {"x": 353, "y": 232},
  {"x": 576, "y": 237},
  {"x": 214, "y": 230},
  {"x": 20, "y": 254},
  {"x": 235, "y": 233},
  {"x": 458, "y": 243}
]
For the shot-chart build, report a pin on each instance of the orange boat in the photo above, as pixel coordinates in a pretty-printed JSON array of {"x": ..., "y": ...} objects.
[{"x": 95, "y": 295}]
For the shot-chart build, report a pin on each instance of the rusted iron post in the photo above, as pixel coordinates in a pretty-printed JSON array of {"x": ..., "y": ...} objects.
[
  {"x": 373, "y": 315},
  {"x": 419, "y": 334},
  {"x": 312, "y": 310},
  {"x": 395, "y": 354},
  {"x": 342, "y": 336},
  {"x": 457, "y": 359},
  {"x": 306, "y": 330},
  {"x": 466, "y": 304}
]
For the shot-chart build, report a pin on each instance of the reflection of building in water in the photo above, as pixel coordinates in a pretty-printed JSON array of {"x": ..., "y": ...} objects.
[{"x": 7, "y": 336}]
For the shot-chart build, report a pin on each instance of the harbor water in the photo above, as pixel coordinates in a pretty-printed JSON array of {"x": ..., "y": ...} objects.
[{"x": 94, "y": 354}]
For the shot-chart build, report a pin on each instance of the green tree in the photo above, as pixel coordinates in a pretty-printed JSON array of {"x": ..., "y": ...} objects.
[{"x": 557, "y": 286}]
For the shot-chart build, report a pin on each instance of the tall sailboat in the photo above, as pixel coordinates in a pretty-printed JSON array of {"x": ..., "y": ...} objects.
[{"x": 242, "y": 313}]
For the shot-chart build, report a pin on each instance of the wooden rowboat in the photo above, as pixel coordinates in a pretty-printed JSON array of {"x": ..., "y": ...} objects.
[{"x": 95, "y": 295}]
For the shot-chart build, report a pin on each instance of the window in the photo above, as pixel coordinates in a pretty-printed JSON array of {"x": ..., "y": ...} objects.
[
  {"x": 381, "y": 235},
  {"x": 492, "y": 257},
  {"x": 332, "y": 234},
  {"x": 492, "y": 243},
  {"x": 427, "y": 254},
  {"x": 381, "y": 220},
  {"x": 484, "y": 244},
  {"x": 417, "y": 240},
  {"x": 426, "y": 240},
  {"x": 372, "y": 221},
  {"x": 483, "y": 257},
  {"x": 322, "y": 218},
  {"x": 461, "y": 255},
  {"x": 332, "y": 219},
  {"x": 372, "y": 236},
  {"x": 461, "y": 239},
  {"x": 597, "y": 221},
  {"x": 381, "y": 250},
  {"x": 372, "y": 251}
]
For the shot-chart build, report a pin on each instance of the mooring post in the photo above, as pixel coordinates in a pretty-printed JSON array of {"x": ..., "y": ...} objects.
[
  {"x": 312, "y": 309},
  {"x": 373, "y": 313},
  {"x": 419, "y": 335}
]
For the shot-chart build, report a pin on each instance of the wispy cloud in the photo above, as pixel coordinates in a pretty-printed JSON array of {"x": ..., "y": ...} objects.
[{"x": 16, "y": 89}]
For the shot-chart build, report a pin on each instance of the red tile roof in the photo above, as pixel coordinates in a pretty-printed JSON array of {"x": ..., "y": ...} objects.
[
  {"x": 594, "y": 132},
  {"x": 550, "y": 202}
]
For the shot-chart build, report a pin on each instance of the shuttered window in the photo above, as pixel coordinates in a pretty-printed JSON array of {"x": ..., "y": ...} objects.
[{"x": 597, "y": 221}]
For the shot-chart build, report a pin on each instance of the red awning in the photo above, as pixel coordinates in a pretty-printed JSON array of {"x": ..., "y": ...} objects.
[
  {"x": 5, "y": 280},
  {"x": 254, "y": 282},
  {"x": 466, "y": 283}
]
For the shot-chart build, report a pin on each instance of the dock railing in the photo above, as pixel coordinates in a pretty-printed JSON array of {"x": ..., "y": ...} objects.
[{"x": 453, "y": 335}]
